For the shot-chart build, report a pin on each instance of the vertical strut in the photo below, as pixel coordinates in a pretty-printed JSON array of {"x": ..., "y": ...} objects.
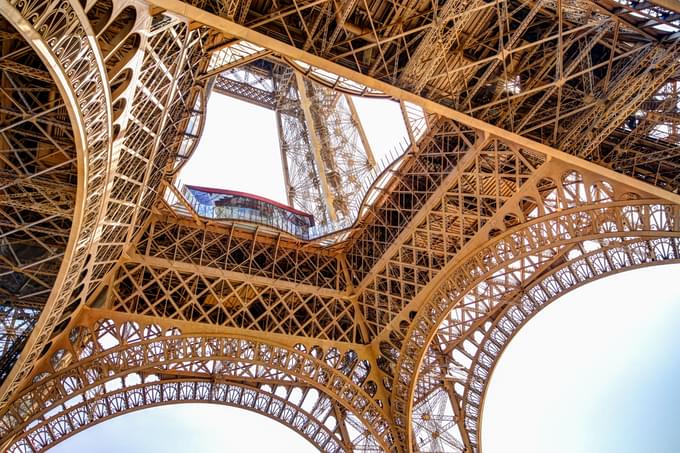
[
  {"x": 407, "y": 123},
  {"x": 283, "y": 146},
  {"x": 316, "y": 146}
]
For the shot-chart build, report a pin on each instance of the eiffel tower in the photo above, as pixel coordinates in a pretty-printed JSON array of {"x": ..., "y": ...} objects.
[{"x": 368, "y": 316}]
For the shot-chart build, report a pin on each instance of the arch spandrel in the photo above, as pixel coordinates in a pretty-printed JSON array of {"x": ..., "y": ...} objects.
[
  {"x": 579, "y": 210},
  {"x": 325, "y": 383}
]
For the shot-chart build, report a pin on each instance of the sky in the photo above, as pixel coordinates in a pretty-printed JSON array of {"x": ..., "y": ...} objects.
[
  {"x": 239, "y": 149},
  {"x": 596, "y": 371}
]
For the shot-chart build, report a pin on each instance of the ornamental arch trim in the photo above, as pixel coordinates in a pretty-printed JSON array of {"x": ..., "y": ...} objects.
[
  {"x": 157, "y": 393},
  {"x": 101, "y": 360},
  {"x": 510, "y": 265},
  {"x": 550, "y": 288},
  {"x": 470, "y": 363}
]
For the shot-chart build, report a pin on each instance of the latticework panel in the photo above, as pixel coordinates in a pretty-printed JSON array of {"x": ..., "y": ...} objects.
[
  {"x": 488, "y": 174},
  {"x": 107, "y": 362},
  {"x": 162, "y": 290},
  {"x": 408, "y": 191},
  {"x": 564, "y": 73},
  {"x": 475, "y": 288},
  {"x": 235, "y": 279},
  {"x": 38, "y": 179},
  {"x": 77, "y": 78},
  {"x": 646, "y": 146},
  {"x": 243, "y": 252},
  {"x": 326, "y": 155}
]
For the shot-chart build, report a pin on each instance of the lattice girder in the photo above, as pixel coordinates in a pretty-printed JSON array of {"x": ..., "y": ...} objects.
[
  {"x": 486, "y": 173},
  {"x": 392, "y": 335},
  {"x": 161, "y": 289},
  {"x": 245, "y": 89},
  {"x": 549, "y": 219},
  {"x": 229, "y": 277},
  {"x": 550, "y": 71},
  {"x": 325, "y": 155},
  {"x": 102, "y": 358},
  {"x": 238, "y": 250}
]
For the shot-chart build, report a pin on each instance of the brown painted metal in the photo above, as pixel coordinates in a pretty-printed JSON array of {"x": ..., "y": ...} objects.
[{"x": 545, "y": 156}]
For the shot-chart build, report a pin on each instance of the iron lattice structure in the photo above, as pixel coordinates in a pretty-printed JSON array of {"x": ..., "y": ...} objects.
[
  {"x": 325, "y": 154},
  {"x": 543, "y": 154}
]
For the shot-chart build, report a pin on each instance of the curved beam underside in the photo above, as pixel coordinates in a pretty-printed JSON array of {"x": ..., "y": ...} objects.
[
  {"x": 156, "y": 393},
  {"x": 458, "y": 373},
  {"x": 121, "y": 351},
  {"x": 497, "y": 276},
  {"x": 60, "y": 33}
]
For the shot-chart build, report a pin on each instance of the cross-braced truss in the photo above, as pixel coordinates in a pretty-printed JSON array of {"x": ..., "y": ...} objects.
[
  {"x": 38, "y": 177},
  {"x": 325, "y": 155},
  {"x": 542, "y": 154}
]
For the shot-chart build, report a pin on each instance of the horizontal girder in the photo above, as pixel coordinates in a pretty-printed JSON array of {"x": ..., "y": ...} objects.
[{"x": 544, "y": 156}]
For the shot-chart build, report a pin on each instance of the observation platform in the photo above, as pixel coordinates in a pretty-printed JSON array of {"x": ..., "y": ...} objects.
[{"x": 221, "y": 204}]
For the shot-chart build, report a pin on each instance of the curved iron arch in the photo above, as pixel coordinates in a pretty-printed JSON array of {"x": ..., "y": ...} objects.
[
  {"x": 77, "y": 68},
  {"x": 77, "y": 418},
  {"x": 537, "y": 297},
  {"x": 208, "y": 357},
  {"x": 544, "y": 237},
  {"x": 490, "y": 339}
]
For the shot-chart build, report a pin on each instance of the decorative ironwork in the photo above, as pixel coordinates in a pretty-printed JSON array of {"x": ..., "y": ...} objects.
[{"x": 375, "y": 326}]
